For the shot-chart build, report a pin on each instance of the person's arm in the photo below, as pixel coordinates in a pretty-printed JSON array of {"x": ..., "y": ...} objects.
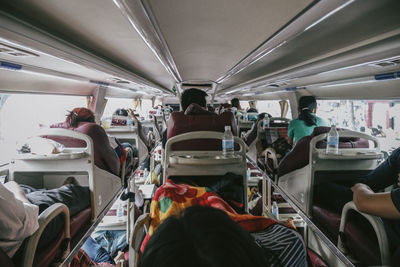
[
  {"x": 379, "y": 204},
  {"x": 17, "y": 191}
]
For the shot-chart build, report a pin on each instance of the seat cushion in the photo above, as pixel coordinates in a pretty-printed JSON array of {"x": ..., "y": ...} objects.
[
  {"x": 79, "y": 224},
  {"x": 328, "y": 221},
  {"x": 361, "y": 239}
]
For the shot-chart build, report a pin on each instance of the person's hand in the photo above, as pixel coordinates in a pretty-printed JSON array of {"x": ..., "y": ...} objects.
[
  {"x": 360, "y": 187},
  {"x": 360, "y": 191}
]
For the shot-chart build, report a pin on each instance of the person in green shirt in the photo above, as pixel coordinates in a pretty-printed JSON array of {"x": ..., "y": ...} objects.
[{"x": 307, "y": 120}]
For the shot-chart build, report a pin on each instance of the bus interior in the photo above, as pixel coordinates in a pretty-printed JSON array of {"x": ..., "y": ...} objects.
[{"x": 129, "y": 61}]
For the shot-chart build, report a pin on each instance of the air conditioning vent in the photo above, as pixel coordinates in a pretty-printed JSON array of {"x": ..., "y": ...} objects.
[
  {"x": 118, "y": 80},
  {"x": 15, "y": 52},
  {"x": 387, "y": 63},
  {"x": 202, "y": 86}
]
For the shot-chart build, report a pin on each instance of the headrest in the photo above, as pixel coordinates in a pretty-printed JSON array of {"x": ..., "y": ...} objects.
[
  {"x": 180, "y": 123},
  {"x": 104, "y": 156},
  {"x": 195, "y": 109},
  {"x": 117, "y": 120},
  {"x": 298, "y": 157}
]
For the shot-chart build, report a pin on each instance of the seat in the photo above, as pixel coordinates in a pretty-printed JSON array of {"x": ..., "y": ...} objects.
[
  {"x": 363, "y": 237},
  {"x": 307, "y": 162},
  {"x": 50, "y": 171},
  {"x": 278, "y": 128},
  {"x": 195, "y": 119},
  {"x": 104, "y": 156}
]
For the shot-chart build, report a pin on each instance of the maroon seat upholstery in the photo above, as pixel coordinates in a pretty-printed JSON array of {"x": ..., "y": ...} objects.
[
  {"x": 104, "y": 155},
  {"x": 361, "y": 240},
  {"x": 298, "y": 157},
  {"x": 328, "y": 221},
  {"x": 5, "y": 260},
  {"x": 79, "y": 224},
  {"x": 199, "y": 120}
]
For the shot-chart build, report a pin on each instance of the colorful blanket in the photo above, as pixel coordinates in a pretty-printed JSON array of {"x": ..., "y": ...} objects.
[{"x": 170, "y": 199}]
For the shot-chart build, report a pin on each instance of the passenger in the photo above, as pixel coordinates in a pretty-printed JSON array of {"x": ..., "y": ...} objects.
[
  {"x": 83, "y": 120},
  {"x": 367, "y": 198},
  {"x": 189, "y": 97},
  {"x": 20, "y": 207},
  {"x": 252, "y": 107},
  {"x": 217, "y": 235},
  {"x": 236, "y": 103},
  {"x": 206, "y": 236},
  {"x": 307, "y": 120},
  {"x": 94, "y": 254}
]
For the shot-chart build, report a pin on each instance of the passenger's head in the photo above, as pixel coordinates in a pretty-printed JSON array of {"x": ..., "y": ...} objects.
[
  {"x": 307, "y": 105},
  {"x": 201, "y": 236},
  {"x": 121, "y": 112},
  {"x": 193, "y": 95},
  {"x": 235, "y": 103},
  {"x": 252, "y": 104},
  {"x": 79, "y": 115}
]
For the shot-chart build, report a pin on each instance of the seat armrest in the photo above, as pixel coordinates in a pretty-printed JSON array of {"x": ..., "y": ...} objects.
[
  {"x": 44, "y": 219},
  {"x": 377, "y": 224},
  {"x": 270, "y": 153}
]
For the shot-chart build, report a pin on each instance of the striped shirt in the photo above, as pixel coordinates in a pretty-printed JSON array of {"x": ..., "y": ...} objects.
[{"x": 283, "y": 242}]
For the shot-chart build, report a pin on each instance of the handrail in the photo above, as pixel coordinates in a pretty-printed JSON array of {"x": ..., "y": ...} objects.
[
  {"x": 345, "y": 133},
  {"x": 69, "y": 133},
  {"x": 202, "y": 135}
]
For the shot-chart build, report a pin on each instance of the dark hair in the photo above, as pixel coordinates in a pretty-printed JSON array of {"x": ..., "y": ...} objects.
[
  {"x": 78, "y": 115},
  {"x": 306, "y": 106},
  {"x": 235, "y": 103},
  {"x": 193, "y": 95},
  {"x": 121, "y": 112},
  {"x": 202, "y": 236}
]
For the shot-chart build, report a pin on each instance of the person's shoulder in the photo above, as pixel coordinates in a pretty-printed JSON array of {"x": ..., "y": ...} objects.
[{"x": 294, "y": 122}]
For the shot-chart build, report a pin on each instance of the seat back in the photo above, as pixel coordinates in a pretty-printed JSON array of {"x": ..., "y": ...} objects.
[
  {"x": 299, "y": 156},
  {"x": 104, "y": 155},
  {"x": 297, "y": 177},
  {"x": 5, "y": 260},
  {"x": 180, "y": 123}
]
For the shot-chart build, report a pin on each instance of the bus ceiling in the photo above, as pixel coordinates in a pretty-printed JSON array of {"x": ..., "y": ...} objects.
[{"x": 264, "y": 50}]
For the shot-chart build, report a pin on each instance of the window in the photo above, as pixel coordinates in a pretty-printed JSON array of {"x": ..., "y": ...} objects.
[
  {"x": 380, "y": 118},
  {"x": 269, "y": 106},
  {"x": 115, "y": 103},
  {"x": 21, "y": 115}
]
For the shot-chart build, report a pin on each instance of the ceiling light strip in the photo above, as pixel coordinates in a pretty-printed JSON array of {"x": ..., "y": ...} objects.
[
  {"x": 17, "y": 33},
  {"x": 140, "y": 16},
  {"x": 312, "y": 17},
  {"x": 382, "y": 49}
]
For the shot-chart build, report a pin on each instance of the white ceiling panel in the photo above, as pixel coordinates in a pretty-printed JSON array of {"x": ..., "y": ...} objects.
[{"x": 206, "y": 41}]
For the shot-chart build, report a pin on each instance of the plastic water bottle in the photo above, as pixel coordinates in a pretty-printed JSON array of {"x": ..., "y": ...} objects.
[
  {"x": 248, "y": 173},
  {"x": 245, "y": 117},
  {"x": 129, "y": 122},
  {"x": 120, "y": 211},
  {"x": 227, "y": 142},
  {"x": 275, "y": 210},
  {"x": 266, "y": 122},
  {"x": 332, "y": 146}
]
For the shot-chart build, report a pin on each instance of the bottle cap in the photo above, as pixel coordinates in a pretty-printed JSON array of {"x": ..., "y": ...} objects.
[{"x": 227, "y": 128}]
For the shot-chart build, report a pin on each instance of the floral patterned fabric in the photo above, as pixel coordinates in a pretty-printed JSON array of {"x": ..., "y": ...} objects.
[{"x": 170, "y": 199}]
